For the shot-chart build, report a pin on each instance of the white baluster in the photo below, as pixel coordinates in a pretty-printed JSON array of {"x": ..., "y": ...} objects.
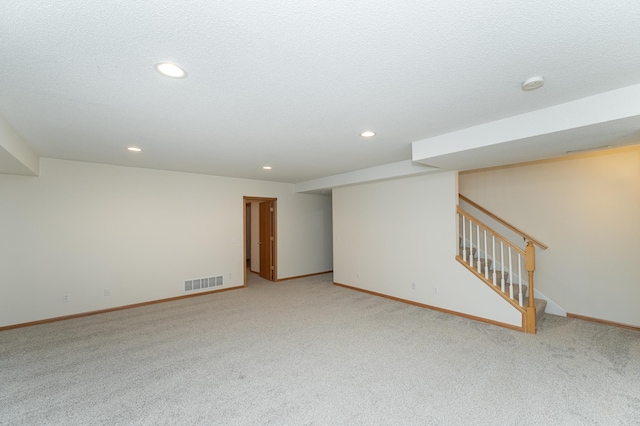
[
  {"x": 464, "y": 238},
  {"x": 502, "y": 266},
  {"x": 486, "y": 269},
  {"x": 478, "y": 247},
  {"x": 510, "y": 276},
  {"x": 493, "y": 256},
  {"x": 520, "y": 279},
  {"x": 470, "y": 260}
]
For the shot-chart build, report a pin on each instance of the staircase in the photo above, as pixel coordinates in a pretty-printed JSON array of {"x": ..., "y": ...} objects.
[
  {"x": 500, "y": 263},
  {"x": 483, "y": 268}
]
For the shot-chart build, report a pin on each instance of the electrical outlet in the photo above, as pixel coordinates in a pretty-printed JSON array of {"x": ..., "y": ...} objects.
[
  {"x": 435, "y": 290},
  {"x": 66, "y": 298},
  {"x": 107, "y": 292},
  {"x": 358, "y": 275},
  {"x": 413, "y": 286}
]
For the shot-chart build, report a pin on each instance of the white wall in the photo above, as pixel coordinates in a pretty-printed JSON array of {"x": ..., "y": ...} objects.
[
  {"x": 81, "y": 227},
  {"x": 16, "y": 156},
  {"x": 400, "y": 231},
  {"x": 587, "y": 209}
]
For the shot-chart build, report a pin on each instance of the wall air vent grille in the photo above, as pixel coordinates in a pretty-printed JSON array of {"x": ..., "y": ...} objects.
[{"x": 203, "y": 283}]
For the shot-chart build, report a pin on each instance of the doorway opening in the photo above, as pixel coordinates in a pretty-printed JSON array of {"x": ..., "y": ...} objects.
[{"x": 260, "y": 237}]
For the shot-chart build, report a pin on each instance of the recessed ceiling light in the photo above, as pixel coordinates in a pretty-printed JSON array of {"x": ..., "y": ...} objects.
[
  {"x": 170, "y": 70},
  {"x": 367, "y": 134},
  {"x": 267, "y": 167},
  {"x": 532, "y": 83},
  {"x": 134, "y": 149}
]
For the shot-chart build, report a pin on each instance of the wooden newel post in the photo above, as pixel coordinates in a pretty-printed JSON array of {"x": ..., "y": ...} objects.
[
  {"x": 530, "y": 256},
  {"x": 531, "y": 267}
]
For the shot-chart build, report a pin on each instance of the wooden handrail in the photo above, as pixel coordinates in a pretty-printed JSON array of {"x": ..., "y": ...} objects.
[{"x": 523, "y": 234}]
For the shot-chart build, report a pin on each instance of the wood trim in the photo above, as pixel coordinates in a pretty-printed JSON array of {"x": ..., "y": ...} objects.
[
  {"x": 275, "y": 239},
  {"x": 461, "y": 211},
  {"x": 117, "y": 308},
  {"x": 606, "y": 322},
  {"x": 543, "y": 246},
  {"x": 434, "y": 308},
  {"x": 249, "y": 198},
  {"x": 530, "y": 324},
  {"x": 245, "y": 202},
  {"x": 303, "y": 276},
  {"x": 497, "y": 289}
]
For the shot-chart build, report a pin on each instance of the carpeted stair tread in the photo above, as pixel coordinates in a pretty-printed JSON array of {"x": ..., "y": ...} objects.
[
  {"x": 499, "y": 277},
  {"x": 517, "y": 290},
  {"x": 471, "y": 252},
  {"x": 540, "y": 305},
  {"x": 483, "y": 261}
]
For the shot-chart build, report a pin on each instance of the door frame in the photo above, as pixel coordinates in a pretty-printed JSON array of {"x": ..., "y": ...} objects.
[{"x": 274, "y": 231}]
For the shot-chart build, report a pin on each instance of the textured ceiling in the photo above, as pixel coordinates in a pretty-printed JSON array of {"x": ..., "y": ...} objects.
[{"x": 292, "y": 84}]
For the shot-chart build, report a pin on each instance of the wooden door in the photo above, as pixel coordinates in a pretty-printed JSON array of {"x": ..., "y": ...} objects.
[{"x": 266, "y": 240}]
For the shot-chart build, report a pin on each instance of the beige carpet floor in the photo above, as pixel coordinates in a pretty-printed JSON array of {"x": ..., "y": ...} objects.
[{"x": 306, "y": 352}]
